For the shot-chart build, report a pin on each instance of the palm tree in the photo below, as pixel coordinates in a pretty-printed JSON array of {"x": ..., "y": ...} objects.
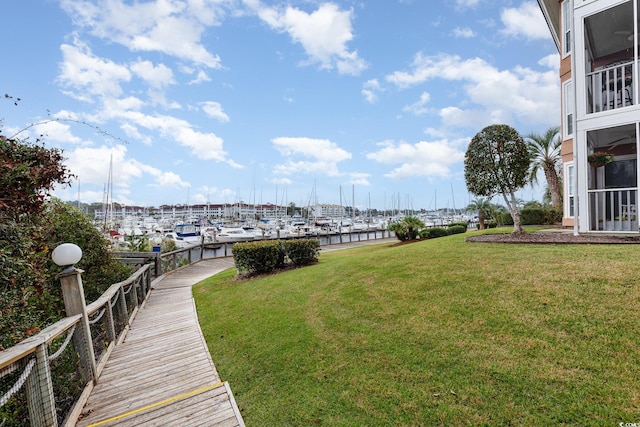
[
  {"x": 545, "y": 156},
  {"x": 407, "y": 229},
  {"x": 483, "y": 206}
]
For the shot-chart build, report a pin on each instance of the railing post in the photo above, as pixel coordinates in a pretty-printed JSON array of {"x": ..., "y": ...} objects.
[
  {"x": 39, "y": 388},
  {"x": 123, "y": 305},
  {"x": 157, "y": 265},
  {"x": 74, "y": 303}
]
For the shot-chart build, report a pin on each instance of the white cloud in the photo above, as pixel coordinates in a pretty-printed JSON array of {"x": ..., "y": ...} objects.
[
  {"x": 323, "y": 34},
  {"x": 91, "y": 165},
  {"x": 552, "y": 61},
  {"x": 214, "y": 110},
  {"x": 156, "y": 76},
  {"x": 466, "y": 4},
  {"x": 85, "y": 75},
  {"x": 358, "y": 178},
  {"x": 491, "y": 94},
  {"x": 525, "y": 21},
  {"x": 418, "y": 108},
  {"x": 320, "y": 156},
  {"x": 424, "y": 158},
  {"x": 169, "y": 27},
  {"x": 370, "y": 90},
  {"x": 463, "y": 33},
  {"x": 206, "y": 146}
]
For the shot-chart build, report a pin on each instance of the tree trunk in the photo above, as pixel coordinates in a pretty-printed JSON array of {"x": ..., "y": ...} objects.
[
  {"x": 481, "y": 219},
  {"x": 554, "y": 187},
  {"x": 514, "y": 211}
]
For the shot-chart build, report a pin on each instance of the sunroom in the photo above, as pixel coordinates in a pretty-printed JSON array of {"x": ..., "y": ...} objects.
[{"x": 612, "y": 174}]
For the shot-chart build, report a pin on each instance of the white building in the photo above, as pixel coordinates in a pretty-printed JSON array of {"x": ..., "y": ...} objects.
[{"x": 598, "y": 44}]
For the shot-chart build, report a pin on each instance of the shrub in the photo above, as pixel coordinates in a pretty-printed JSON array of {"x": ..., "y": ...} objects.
[
  {"x": 507, "y": 219},
  {"x": 437, "y": 232},
  {"x": 461, "y": 224},
  {"x": 263, "y": 256},
  {"x": 534, "y": 216},
  {"x": 457, "y": 229},
  {"x": 302, "y": 251}
]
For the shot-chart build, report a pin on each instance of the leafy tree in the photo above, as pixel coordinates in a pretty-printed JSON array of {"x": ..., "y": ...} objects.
[
  {"x": 497, "y": 161},
  {"x": 407, "y": 229},
  {"x": 545, "y": 155},
  {"x": 483, "y": 206},
  {"x": 29, "y": 172},
  {"x": 31, "y": 226}
]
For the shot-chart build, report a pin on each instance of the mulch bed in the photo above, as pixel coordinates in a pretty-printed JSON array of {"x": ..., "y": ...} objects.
[{"x": 553, "y": 237}]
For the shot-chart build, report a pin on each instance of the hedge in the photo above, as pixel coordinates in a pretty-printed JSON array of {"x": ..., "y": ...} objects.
[
  {"x": 263, "y": 256},
  {"x": 302, "y": 251}
]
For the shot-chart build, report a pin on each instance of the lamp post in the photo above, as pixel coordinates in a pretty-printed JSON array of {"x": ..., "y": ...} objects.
[{"x": 67, "y": 255}]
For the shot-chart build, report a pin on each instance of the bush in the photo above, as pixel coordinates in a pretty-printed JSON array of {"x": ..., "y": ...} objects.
[
  {"x": 263, "y": 256},
  {"x": 540, "y": 216},
  {"x": 457, "y": 229},
  {"x": 461, "y": 224},
  {"x": 302, "y": 251},
  {"x": 437, "y": 232}
]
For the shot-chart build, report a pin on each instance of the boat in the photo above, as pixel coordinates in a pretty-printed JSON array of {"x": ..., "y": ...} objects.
[
  {"x": 233, "y": 234},
  {"x": 185, "y": 235}
]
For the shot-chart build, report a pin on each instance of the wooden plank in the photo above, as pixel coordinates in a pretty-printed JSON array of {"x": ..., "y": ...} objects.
[{"x": 163, "y": 356}]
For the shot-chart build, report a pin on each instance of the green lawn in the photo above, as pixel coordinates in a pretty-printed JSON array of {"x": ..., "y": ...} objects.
[{"x": 440, "y": 332}]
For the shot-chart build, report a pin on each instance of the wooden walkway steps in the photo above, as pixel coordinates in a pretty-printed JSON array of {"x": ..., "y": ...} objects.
[{"x": 162, "y": 374}]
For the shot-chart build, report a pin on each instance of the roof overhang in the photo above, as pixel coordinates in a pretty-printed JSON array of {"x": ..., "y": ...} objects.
[{"x": 551, "y": 11}]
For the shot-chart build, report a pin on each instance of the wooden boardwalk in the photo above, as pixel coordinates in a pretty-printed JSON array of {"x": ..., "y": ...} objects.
[{"x": 162, "y": 374}]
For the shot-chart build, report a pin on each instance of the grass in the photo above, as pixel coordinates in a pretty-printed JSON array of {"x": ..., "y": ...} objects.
[{"x": 440, "y": 332}]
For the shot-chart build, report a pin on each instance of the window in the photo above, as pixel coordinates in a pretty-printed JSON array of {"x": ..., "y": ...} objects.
[
  {"x": 567, "y": 109},
  {"x": 566, "y": 26},
  {"x": 621, "y": 174},
  {"x": 570, "y": 189}
]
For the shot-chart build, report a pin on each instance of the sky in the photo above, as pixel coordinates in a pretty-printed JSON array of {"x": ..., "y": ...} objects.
[{"x": 371, "y": 103}]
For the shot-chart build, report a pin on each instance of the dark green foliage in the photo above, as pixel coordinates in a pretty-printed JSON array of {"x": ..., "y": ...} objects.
[
  {"x": 30, "y": 294},
  {"x": 505, "y": 218},
  {"x": 533, "y": 216},
  {"x": 457, "y": 229},
  {"x": 461, "y": 224},
  {"x": 496, "y": 161},
  {"x": 68, "y": 225},
  {"x": 302, "y": 251},
  {"x": 258, "y": 257},
  {"x": 408, "y": 229},
  {"x": 437, "y": 232},
  {"x": 541, "y": 216}
]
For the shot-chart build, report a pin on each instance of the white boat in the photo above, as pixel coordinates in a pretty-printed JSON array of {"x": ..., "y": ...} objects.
[
  {"x": 185, "y": 235},
  {"x": 236, "y": 234}
]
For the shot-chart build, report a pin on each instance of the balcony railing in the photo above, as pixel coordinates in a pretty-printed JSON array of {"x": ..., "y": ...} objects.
[
  {"x": 610, "y": 87},
  {"x": 613, "y": 210}
]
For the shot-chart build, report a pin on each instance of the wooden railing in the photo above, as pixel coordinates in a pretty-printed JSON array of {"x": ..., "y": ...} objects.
[
  {"x": 55, "y": 374},
  {"x": 53, "y": 379}
]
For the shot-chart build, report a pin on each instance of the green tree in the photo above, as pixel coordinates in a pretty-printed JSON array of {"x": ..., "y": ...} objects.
[
  {"x": 407, "y": 229},
  {"x": 545, "y": 155},
  {"x": 31, "y": 226},
  {"x": 497, "y": 161},
  {"x": 483, "y": 206}
]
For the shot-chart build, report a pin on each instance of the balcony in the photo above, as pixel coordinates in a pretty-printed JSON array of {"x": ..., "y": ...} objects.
[
  {"x": 611, "y": 87},
  {"x": 613, "y": 210}
]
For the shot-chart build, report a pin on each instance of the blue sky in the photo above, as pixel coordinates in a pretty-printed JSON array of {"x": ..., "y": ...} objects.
[{"x": 229, "y": 100}]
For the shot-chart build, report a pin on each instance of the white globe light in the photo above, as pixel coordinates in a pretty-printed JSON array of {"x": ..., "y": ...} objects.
[{"x": 66, "y": 254}]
